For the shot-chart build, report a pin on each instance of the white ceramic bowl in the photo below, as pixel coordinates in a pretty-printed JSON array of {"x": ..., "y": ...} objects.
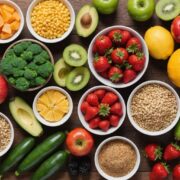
[
  {"x": 106, "y": 81},
  {"x": 144, "y": 131},
  {"x": 29, "y": 25},
  {"x": 17, "y": 8},
  {"x": 12, "y": 135},
  {"x": 106, "y": 176},
  {"x": 64, "y": 119},
  {"x": 98, "y": 131}
]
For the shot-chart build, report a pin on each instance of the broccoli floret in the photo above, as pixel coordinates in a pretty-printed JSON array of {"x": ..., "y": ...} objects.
[
  {"x": 25, "y": 44},
  {"x": 18, "y": 49},
  {"x": 39, "y": 81},
  {"x": 12, "y": 80},
  {"x": 10, "y": 53},
  {"x": 27, "y": 56},
  {"x": 32, "y": 66},
  {"x": 35, "y": 49},
  {"x": 18, "y": 72},
  {"x": 32, "y": 83},
  {"x": 22, "y": 84},
  {"x": 45, "y": 55},
  {"x": 18, "y": 63},
  {"x": 39, "y": 60},
  {"x": 30, "y": 74},
  {"x": 45, "y": 70},
  {"x": 6, "y": 66}
]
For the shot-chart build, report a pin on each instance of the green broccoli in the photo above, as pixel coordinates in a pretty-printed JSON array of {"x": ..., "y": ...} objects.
[
  {"x": 45, "y": 69},
  {"x": 22, "y": 84},
  {"x": 45, "y": 55},
  {"x": 39, "y": 60},
  {"x": 27, "y": 56},
  {"x": 18, "y": 63},
  {"x": 32, "y": 83},
  {"x": 12, "y": 80},
  {"x": 30, "y": 74},
  {"x": 10, "y": 53},
  {"x": 18, "y": 49},
  {"x": 35, "y": 49},
  {"x": 25, "y": 44},
  {"x": 39, "y": 81},
  {"x": 6, "y": 66},
  {"x": 18, "y": 72}
]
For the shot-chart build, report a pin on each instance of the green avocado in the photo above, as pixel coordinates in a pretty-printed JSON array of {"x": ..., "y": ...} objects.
[{"x": 87, "y": 20}]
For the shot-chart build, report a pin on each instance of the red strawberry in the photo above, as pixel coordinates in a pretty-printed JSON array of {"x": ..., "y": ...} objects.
[
  {"x": 152, "y": 176},
  {"x": 84, "y": 106},
  {"x": 101, "y": 64},
  {"x": 100, "y": 93},
  {"x": 104, "y": 74},
  {"x": 172, "y": 151},
  {"x": 153, "y": 152},
  {"x": 104, "y": 110},
  {"x": 114, "y": 120},
  {"x": 92, "y": 99},
  {"x": 115, "y": 36},
  {"x": 109, "y": 98},
  {"x": 104, "y": 125},
  {"x": 176, "y": 172},
  {"x": 116, "y": 109},
  {"x": 94, "y": 123},
  {"x": 129, "y": 75},
  {"x": 115, "y": 74},
  {"x": 160, "y": 171},
  {"x": 91, "y": 112},
  {"x": 125, "y": 37},
  {"x": 94, "y": 49},
  {"x": 134, "y": 45}
]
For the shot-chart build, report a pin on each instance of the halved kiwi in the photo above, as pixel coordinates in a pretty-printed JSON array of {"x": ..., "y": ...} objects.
[
  {"x": 78, "y": 79},
  {"x": 168, "y": 9},
  {"x": 75, "y": 55}
]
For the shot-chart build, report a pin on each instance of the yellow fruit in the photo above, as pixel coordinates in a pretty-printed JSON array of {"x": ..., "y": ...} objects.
[
  {"x": 173, "y": 68},
  {"x": 160, "y": 42}
]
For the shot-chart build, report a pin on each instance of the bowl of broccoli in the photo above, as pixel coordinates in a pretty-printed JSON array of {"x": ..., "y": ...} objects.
[{"x": 27, "y": 65}]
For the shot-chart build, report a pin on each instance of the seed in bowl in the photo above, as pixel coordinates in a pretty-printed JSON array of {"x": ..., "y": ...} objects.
[
  {"x": 50, "y": 19},
  {"x": 154, "y": 107},
  {"x": 52, "y": 105}
]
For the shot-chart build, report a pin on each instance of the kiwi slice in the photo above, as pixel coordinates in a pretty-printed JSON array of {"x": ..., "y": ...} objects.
[
  {"x": 78, "y": 79},
  {"x": 75, "y": 55},
  {"x": 168, "y": 9}
]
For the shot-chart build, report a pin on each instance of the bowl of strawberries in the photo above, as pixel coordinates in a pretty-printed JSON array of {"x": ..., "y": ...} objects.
[
  {"x": 101, "y": 110},
  {"x": 118, "y": 56}
]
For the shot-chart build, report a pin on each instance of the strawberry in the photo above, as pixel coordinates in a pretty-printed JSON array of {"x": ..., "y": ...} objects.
[
  {"x": 115, "y": 74},
  {"x": 100, "y": 93},
  {"x": 160, "y": 171},
  {"x": 104, "y": 125},
  {"x": 129, "y": 75},
  {"x": 115, "y": 36},
  {"x": 104, "y": 74},
  {"x": 92, "y": 99},
  {"x": 109, "y": 98},
  {"x": 114, "y": 120},
  {"x": 91, "y": 112},
  {"x": 101, "y": 64},
  {"x": 104, "y": 110},
  {"x": 125, "y": 37},
  {"x": 176, "y": 172},
  {"x": 84, "y": 106},
  {"x": 172, "y": 151},
  {"x": 153, "y": 152},
  {"x": 116, "y": 109},
  {"x": 133, "y": 45},
  {"x": 94, "y": 123},
  {"x": 152, "y": 176}
]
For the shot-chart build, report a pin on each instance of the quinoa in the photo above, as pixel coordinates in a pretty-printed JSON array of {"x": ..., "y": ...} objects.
[
  {"x": 154, "y": 107},
  {"x": 117, "y": 158},
  {"x": 5, "y": 133}
]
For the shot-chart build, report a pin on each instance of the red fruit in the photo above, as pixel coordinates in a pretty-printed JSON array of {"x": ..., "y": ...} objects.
[
  {"x": 129, "y": 75},
  {"x": 114, "y": 120},
  {"x": 152, "y": 176},
  {"x": 91, "y": 112},
  {"x": 94, "y": 123},
  {"x": 104, "y": 125},
  {"x": 104, "y": 74},
  {"x": 92, "y": 99},
  {"x": 119, "y": 55},
  {"x": 176, "y": 172},
  {"x": 3, "y": 89},
  {"x": 133, "y": 45},
  {"x": 116, "y": 109},
  {"x": 175, "y": 29},
  {"x": 101, "y": 64},
  {"x": 109, "y": 98},
  {"x": 104, "y": 110},
  {"x": 115, "y": 74},
  {"x": 126, "y": 35},
  {"x": 103, "y": 43},
  {"x": 100, "y": 93},
  {"x": 153, "y": 152},
  {"x": 160, "y": 170},
  {"x": 84, "y": 106},
  {"x": 115, "y": 36},
  {"x": 94, "y": 49},
  {"x": 172, "y": 151}
]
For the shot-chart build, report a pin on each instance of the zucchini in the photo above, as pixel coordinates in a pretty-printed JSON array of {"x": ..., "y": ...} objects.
[
  {"x": 40, "y": 152},
  {"x": 16, "y": 154},
  {"x": 51, "y": 165},
  {"x": 177, "y": 131}
]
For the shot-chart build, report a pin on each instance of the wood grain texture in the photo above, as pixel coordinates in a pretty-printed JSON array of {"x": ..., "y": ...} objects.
[{"x": 156, "y": 70}]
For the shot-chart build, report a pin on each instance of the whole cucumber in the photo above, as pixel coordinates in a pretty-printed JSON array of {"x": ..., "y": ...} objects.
[
  {"x": 40, "y": 152},
  {"x": 177, "y": 131},
  {"x": 51, "y": 165},
  {"x": 16, "y": 154}
]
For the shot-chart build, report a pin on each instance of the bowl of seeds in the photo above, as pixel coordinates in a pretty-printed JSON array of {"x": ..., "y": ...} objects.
[
  {"x": 153, "y": 108},
  {"x": 6, "y": 134}
]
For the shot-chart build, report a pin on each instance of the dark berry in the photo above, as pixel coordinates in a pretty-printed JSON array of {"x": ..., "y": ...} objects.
[
  {"x": 84, "y": 165},
  {"x": 73, "y": 166}
]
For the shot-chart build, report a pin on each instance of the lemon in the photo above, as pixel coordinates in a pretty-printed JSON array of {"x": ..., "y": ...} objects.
[
  {"x": 173, "y": 68},
  {"x": 160, "y": 42}
]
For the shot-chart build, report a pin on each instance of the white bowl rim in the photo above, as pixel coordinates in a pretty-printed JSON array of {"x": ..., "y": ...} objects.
[
  {"x": 12, "y": 135},
  {"x": 105, "y": 81},
  {"x": 126, "y": 177},
  {"x": 13, "y": 4},
  {"x": 144, "y": 131},
  {"x": 64, "y": 119},
  {"x": 45, "y": 40},
  {"x": 97, "y": 131}
]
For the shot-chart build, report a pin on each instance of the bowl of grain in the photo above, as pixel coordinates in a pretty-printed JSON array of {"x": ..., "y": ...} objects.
[
  {"x": 50, "y": 21},
  {"x": 117, "y": 158},
  {"x": 6, "y": 134},
  {"x": 153, "y": 108}
]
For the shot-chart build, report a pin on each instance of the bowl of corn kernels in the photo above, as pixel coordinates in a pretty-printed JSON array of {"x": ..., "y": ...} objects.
[{"x": 50, "y": 21}]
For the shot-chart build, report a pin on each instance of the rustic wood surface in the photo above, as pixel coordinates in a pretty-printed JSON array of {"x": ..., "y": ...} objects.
[{"x": 156, "y": 70}]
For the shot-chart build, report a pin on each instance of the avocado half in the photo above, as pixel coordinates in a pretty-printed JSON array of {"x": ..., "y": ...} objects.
[{"x": 87, "y": 20}]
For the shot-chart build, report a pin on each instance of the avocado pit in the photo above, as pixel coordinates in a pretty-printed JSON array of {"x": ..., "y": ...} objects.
[{"x": 86, "y": 20}]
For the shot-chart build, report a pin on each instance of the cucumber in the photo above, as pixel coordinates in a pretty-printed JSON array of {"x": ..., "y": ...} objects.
[
  {"x": 177, "y": 131},
  {"x": 40, "y": 152},
  {"x": 51, "y": 165},
  {"x": 16, "y": 154}
]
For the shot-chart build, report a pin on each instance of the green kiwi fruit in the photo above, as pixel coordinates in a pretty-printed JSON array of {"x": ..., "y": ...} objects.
[
  {"x": 78, "y": 78},
  {"x": 168, "y": 9},
  {"x": 75, "y": 55}
]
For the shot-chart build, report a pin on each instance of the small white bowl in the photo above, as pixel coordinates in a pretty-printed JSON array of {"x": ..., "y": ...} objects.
[
  {"x": 17, "y": 8},
  {"x": 106, "y": 81},
  {"x": 86, "y": 124},
  {"x": 64, "y": 119},
  {"x": 106, "y": 176},
  {"x": 12, "y": 135},
  {"x": 144, "y": 131},
  {"x": 29, "y": 25}
]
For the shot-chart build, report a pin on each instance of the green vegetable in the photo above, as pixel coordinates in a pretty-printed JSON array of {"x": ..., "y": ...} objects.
[
  {"x": 177, "y": 131},
  {"x": 51, "y": 165},
  {"x": 10, "y": 53},
  {"x": 40, "y": 152},
  {"x": 35, "y": 49},
  {"x": 39, "y": 60},
  {"x": 17, "y": 72},
  {"x": 18, "y": 63},
  {"x": 18, "y": 49},
  {"x": 30, "y": 74},
  {"x": 45, "y": 70},
  {"x": 16, "y": 154},
  {"x": 6, "y": 66},
  {"x": 32, "y": 66},
  {"x": 27, "y": 56},
  {"x": 45, "y": 55},
  {"x": 22, "y": 84},
  {"x": 11, "y": 80},
  {"x": 25, "y": 44},
  {"x": 39, "y": 81}
]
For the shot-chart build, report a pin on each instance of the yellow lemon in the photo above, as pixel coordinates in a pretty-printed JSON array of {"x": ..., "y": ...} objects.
[
  {"x": 173, "y": 68},
  {"x": 160, "y": 42}
]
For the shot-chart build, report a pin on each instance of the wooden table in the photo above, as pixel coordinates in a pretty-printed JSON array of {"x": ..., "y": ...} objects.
[{"x": 156, "y": 70}]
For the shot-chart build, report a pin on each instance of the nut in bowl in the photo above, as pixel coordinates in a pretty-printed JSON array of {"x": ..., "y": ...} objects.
[
  {"x": 50, "y": 21},
  {"x": 153, "y": 108},
  {"x": 101, "y": 110},
  {"x": 118, "y": 56},
  {"x": 52, "y": 106}
]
